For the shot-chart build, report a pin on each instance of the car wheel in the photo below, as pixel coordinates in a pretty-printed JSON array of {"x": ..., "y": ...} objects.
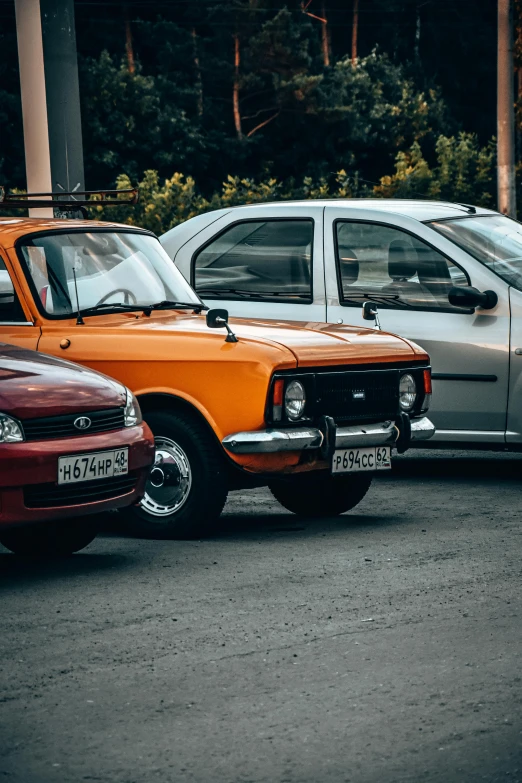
[
  {"x": 50, "y": 539},
  {"x": 320, "y": 494},
  {"x": 186, "y": 489}
]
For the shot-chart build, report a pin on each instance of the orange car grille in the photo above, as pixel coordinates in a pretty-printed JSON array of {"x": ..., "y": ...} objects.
[{"x": 358, "y": 395}]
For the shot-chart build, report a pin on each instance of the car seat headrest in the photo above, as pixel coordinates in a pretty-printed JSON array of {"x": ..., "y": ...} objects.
[
  {"x": 349, "y": 266},
  {"x": 402, "y": 260}
]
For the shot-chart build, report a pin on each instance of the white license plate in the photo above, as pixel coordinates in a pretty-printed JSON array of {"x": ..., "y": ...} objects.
[
  {"x": 368, "y": 458},
  {"x": 89, "y": 467}
]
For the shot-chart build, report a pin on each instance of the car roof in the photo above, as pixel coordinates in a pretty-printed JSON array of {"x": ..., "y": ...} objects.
[
  {"x": 417, "y": 209},
  {"x": 12, "y": 228}
]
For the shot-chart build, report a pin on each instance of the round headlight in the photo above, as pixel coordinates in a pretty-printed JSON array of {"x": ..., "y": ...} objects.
[
  {"x": 407, "y": 392},
  {"x": 295, "y": 400}
]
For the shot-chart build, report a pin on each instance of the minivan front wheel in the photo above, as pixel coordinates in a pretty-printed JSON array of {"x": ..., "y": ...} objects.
[{"x": 186, "y": 489}]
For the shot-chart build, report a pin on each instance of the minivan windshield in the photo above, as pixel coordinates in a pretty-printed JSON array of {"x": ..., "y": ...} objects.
[
  {"x": 494, "y": 240},
  {"x": 108, "y": 270}
]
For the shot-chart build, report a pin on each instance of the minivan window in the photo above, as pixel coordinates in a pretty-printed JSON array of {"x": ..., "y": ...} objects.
[
  {"x": 395, "y": 268},
  {"x": 258, "y": 259},
  {"x": 494, "y": 240}
]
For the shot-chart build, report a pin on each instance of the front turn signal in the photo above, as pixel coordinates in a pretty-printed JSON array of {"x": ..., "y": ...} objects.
[
  {"x": 277, "y": 399},
  {"x": 427, "y": 390}
]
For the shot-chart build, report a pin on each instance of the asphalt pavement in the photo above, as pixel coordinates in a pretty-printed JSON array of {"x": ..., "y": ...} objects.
[{"x": 382, "y": 646}]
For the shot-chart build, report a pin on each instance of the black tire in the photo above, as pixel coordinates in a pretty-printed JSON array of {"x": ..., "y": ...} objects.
[
  {"x": 321, "y": 494},
  {"x": 201, "y": 498},
  {"x": 50, "y": 539}
]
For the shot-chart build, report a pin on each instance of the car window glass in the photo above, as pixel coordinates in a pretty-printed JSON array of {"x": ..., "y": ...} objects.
[
  {"x": 258, "y": 259},
  {"x": 494, "y": 240},
  {"x": 393, "y": 267},
  {"x": 101, "y": 267},
  {"x": 10, "y": 307}
]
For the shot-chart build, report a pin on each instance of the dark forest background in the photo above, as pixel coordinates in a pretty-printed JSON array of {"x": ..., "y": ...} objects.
[{"x": 276, "y": 99}]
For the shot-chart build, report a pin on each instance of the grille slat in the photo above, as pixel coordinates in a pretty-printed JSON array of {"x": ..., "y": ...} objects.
[
  {"x": 337, "y": 395},
  {"x": 53, "y": 427},
  {"x": 53, "y": 495}
]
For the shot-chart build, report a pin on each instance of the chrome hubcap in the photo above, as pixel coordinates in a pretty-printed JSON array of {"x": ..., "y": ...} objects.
[{"x": 170, "y": 479}]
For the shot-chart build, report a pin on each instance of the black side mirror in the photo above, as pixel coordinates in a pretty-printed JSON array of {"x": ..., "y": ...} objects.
[
  {"x": 369, "y": 311},
  {"x": 466, "y": 296},
  {"x": 218, "y": 319}
]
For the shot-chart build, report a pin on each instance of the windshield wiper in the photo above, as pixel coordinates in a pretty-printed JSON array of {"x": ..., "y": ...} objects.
[
  {"x": 226, "y": 291},
  {"x": 379, "y": 299},
  {"x": 146, "y": 309},
  {"x": 121, "y": 307},
  {"x": 166, "y": 304},
  {"x": 256, "y": 294}
]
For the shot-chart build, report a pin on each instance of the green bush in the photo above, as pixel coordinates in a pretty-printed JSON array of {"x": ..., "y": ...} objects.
[
  {"x": 163, "y": 205},
  {"x": 463, "y": 171}
]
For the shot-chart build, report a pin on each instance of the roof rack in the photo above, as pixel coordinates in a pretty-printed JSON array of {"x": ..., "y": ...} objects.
[{"x": 68, "y": 201}]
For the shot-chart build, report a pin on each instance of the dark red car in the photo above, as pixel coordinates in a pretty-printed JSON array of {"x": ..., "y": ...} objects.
[{"x": 72, "y": 443}]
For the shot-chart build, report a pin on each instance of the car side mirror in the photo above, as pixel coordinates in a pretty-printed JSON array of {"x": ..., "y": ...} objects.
[
  {"x": 370, "y": 312},
  {"x": 218, "y": 319},
  {"x": 467, "y": 296}
]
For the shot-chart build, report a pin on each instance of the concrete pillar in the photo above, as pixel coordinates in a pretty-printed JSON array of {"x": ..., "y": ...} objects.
[
  {"x": 34, "y": 104},
  {"x": 63, "y": 95},
  {"x": 50, "y": 97}
]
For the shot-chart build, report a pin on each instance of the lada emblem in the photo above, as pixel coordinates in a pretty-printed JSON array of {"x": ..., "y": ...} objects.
[
  {"x": 358, "y": 394},
  {"x": 82, "y": 423}
]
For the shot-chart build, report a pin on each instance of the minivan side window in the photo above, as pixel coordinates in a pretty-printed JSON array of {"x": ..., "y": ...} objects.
[
  {"x": 397, "y": 269},
  {"x": 259, "y": 260},
  {"x": 10, "y": 307}
]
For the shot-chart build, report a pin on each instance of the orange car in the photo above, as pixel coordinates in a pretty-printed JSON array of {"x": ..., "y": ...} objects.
[{"x": 310, "y": 410}]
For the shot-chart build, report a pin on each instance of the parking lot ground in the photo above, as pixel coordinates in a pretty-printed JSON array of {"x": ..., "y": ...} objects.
[{"x": 381, "y": 646}]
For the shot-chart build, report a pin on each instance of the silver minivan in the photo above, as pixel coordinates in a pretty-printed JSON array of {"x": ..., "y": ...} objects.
[{"x": 448, "y": 276}]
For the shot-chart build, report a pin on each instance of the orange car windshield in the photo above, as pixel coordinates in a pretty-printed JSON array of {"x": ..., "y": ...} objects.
[{"x": 81, "y": 270}]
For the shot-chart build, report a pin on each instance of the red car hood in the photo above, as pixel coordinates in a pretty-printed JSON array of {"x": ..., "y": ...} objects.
[{"x": 34, "y": 385}]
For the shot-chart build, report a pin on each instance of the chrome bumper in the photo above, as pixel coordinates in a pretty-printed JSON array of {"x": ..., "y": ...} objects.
[{"x": 299, "y": 439}]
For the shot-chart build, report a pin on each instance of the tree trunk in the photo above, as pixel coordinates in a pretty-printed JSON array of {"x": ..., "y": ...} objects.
[
  {"x": 355, "y": 30},
  {"x": 197, "y": 68},
  {"x": 129, "y": 46},
  {"x": 325, "y": 38},
  {"x": 235, "y": 88}
]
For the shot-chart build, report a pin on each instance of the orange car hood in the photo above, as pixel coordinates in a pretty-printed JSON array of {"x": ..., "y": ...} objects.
[
  {"x": 320, "y": 343},
  {"x": 312, "y": 344}
]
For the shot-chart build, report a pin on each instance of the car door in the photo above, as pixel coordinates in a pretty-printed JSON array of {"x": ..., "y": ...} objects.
[
  {"x": 514, "y": 419},
  {"x": 264, "y": 262},
  {"x": 407, "y": 268},
  {"x": 16, "y": 325}
]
